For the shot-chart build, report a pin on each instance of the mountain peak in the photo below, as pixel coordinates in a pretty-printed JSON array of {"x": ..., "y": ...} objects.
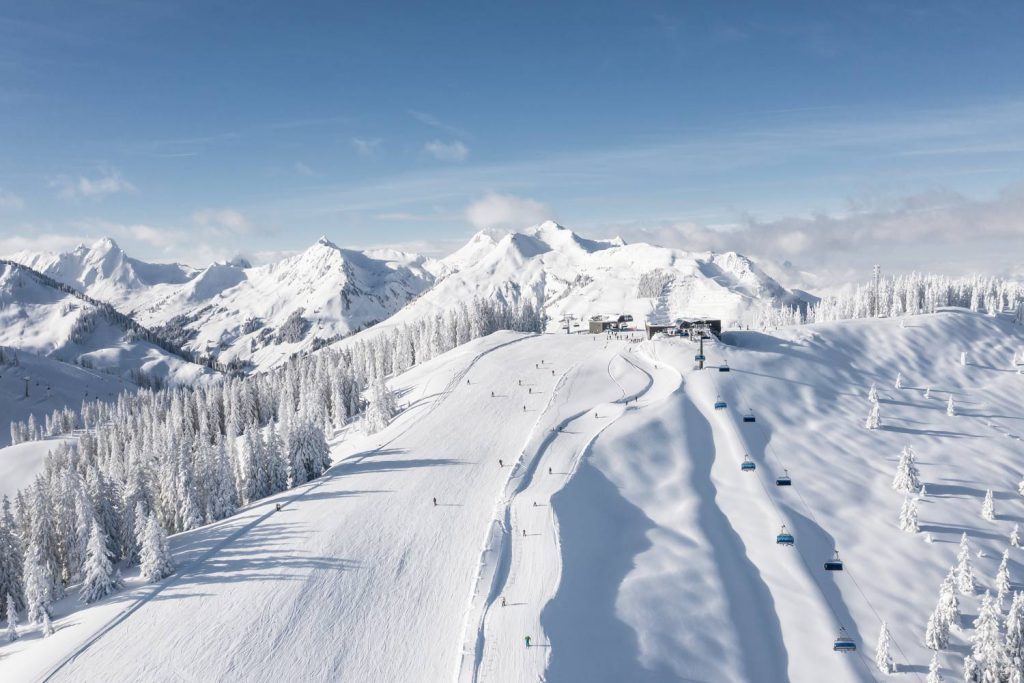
[
  {"x": 104, "y": 245},
  {"x": 324, "y": 242}
]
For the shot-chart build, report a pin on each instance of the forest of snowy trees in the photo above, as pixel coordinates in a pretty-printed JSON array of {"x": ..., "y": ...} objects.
[
  {"x": 160, "y": 462},
  {"x": 902, "y": 295}
]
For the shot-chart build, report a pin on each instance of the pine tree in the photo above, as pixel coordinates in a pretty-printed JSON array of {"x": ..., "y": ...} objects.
[
  {"x": 964, "y": 571},
  {"x": 873, "y": 421},
  {"x": 907, "y": 479},
  {"x": 928, "y": 392},
  {"x": 933, "y": 670},
  {"x": 988, "y": 507},
  {"x": 1020, "y": 487},
  {"x": 1015, "y": 536},
  {"x": 11, "y": 561},
  {"x": 47, "y": 627},
  {"x": 936, "y": 633},
  {"x": 908, "y": 516},
  {"x": 1015, "y": 632},
  {"x": 873, "y": 394},
  {"x": 883, "y": 658},
  {"x": 101, "y": 578},
  {"x": 12, "y": 619},
  {"x": 157, "y": 562},
  {"x": 38, "y": 585},
  {"x": 950, "y": 408},
  {"x": 988, "y": 655},
  {"x": 899, "y": 381},
  {"x": 1003, "y": 580}
]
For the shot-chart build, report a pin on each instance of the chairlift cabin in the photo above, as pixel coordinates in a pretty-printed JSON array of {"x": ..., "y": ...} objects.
[
  {"x": 748, "y": 464},
  {"x": 783, "y": 479},
  {"x": 720, "y": 404},
  {"x": 784, "y": 537},
  {"x": 724, "y": 367},
  {"x": 699, "y": 358},
  {"x": 749, "y": 416},
  {"x": 844, "y": 643},
  {"x": 835, "y": 564}
]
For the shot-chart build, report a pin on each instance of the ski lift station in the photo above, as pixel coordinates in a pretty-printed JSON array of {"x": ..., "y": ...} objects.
[
  {"x": 604, "y": 323},
  {"x": 694, "y": 328}
]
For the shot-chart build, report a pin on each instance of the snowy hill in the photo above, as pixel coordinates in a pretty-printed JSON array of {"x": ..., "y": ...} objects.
[
  {"x": 53, "y": 330},
  {"x": 250, "y": 316},
  {"x": 589, "y": 495},
  {"x": 570, "y": 274}
]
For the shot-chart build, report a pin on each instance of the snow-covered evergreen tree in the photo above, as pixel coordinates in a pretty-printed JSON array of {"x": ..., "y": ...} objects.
[
  {"x": 936, "y": 633},
  {"x": 899, "y": 381},
  {"x": 873, "y": 394},
  {"x": 883, "y": 658},
  {"x": 874, "y": 421},
  {"x": 964, "y": 572},
  {"x": 950, "y": 408},
  {"x": 47, "y": 625},
  {"x": 1015, "y": 633},
  {"x": 907, "y": 479},
  {"x": 988, "y": 655},
  {"x": 11, "y": 561},
  {"x": 157, "y": 562},
  {"x": 1015, "y": 536},
  {"x": 12, "y": 619},
  {"x": 101, "y": 577},
  {"x": 927, "y": 392},
  {"x": 908, "y": 516},
  {"x": 988, "y": 507},
  {"x": 1003, "y": 579}
]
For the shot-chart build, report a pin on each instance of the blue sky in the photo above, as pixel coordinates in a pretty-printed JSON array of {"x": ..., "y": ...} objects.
[{"x": 200, "y": 130}]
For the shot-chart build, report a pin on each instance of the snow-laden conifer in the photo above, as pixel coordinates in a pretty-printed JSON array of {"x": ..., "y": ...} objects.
[
  {"x": 1015, "y": 536},
  {"x": 1003, "y": 579},
  {"x": 908, "y": 516},
  {"x": 934, "y": 676},
  {"x": 899, "y": 381},
  {"x": 950, "y": 408},
  {"x": 157, "y": 562},
  {"x": 874, "y": 421},
  {"x": 101, "y": 578},
  {"x": 907, "y": 479},
  {"x": 883, "y": 658},
  {"x": 873, "y": 394},
  {"x": 1015, "y": 632},
  {"x": 12, "y": 619},
  {"x": 988, "y": 507},
  {"x": 964, "y": 571},
  {"x": 988, "y": 654}
]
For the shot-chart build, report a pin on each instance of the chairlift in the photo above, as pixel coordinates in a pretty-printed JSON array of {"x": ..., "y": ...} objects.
[
  {"x": 843, "y": 642},
  {"x": 699, "y": 358},
  {"x": 835, "y": 564},
  {"x": 783, "y": 479},
  {"x": 724, "y": 367},
  {"x": 720, "y": 404},
  {"x": 748, "y": 464},
  {"x": 784, "y": 537},
  {"x": 749, "y": 416}
]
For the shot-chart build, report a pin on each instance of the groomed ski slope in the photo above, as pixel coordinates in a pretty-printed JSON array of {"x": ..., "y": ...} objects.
[{"x": 649, "y": 556}]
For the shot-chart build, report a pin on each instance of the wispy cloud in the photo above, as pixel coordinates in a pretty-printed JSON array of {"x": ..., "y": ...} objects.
[
  {"x": 505, "y": 211},
  {"x": 30, "y": 239},
  {"x": 428, "y": 119},
  {"x": 9, "y": 200},
  {"x": 81, "y": 187},
  {"x": 221, "y": 222},
  {"x": 366, "y": 147},
  {"x": 303, "y": 169},
  {"x": 447, "y": 151}
]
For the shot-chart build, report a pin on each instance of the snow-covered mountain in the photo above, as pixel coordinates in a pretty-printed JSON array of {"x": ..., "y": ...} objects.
[
  {"x": 257, "y": 317},
  {"x": 252, "y": 316},
  {"x": 569, "y": 274}
]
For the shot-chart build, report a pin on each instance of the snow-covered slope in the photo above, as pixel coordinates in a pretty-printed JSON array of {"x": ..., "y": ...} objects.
[
  {"x": 590, "y": 496},
  {"x": 53, "y": 331},
  {"x": 238, "y": 313},
  {"x": 570, "y": 274}
]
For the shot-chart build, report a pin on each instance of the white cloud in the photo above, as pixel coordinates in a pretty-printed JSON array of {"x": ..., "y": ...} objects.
[
  {"x": 505, "y": 211},
  {"x": 223, "y": 221},
  {"x": 366, "y": 147},
  {"x": 447, "y": 151},
  {"x": 9, "y": 200},
  {"x": 50, "y": 242},
  {"x": 109, "y": 182}
]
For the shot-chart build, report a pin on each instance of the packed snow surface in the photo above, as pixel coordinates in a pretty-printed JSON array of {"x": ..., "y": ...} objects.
[{"x": 595, "y": 503}]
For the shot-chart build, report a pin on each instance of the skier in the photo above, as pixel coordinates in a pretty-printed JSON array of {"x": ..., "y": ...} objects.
[
  {"x": 530, "y": 390},
  {"x": 552, "y": 373},
  {"x": 524, "y": 409},
  {"x": 277, "y": 507},
  {"x": 492, "y": 394},
  {"x": 527, "y": 641},
  {"x": 524, "y": 532},
  {"x": 520, "y": 382},
  {"x": 435, "y": 502},
  {"x": 500, "y": 463},
  {"x": 534, "y": 503},
  {"x": 503, "y": 601},
  {"x": 549, "y": 471}
]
